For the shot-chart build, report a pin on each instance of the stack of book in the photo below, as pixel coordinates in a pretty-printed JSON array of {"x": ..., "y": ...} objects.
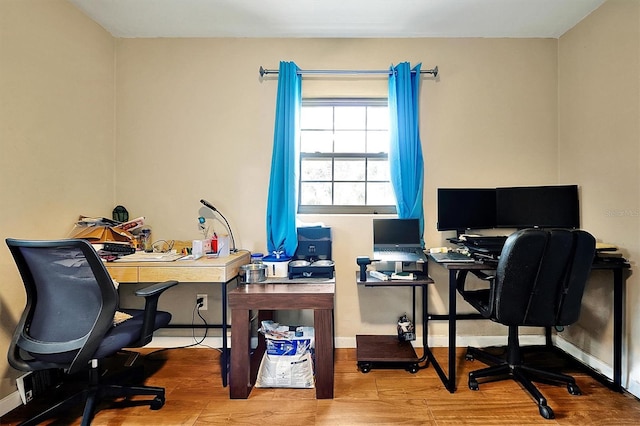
[{"x": 608, "y": 253}]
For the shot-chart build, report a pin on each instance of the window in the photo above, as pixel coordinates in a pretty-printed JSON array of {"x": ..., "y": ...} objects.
[{"x": 344, "y": 165}]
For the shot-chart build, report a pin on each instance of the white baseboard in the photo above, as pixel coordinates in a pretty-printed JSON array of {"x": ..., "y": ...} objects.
[
  {"x": 10, "y": 402},
  {"x": 593, "y": 362}
]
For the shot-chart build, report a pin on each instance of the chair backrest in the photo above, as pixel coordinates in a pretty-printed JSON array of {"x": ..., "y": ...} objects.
[
  {"x": 71, "y": 301},
  {"x": 541, "y": 277}
]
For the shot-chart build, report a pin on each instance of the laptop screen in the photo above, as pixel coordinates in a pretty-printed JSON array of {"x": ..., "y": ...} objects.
[{"x": 399, "y": 232}]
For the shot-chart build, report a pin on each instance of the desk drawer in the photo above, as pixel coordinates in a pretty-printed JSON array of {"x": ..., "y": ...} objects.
[
  {"x": 124, "y": 274},
  {"x": 193, "y": 275}
]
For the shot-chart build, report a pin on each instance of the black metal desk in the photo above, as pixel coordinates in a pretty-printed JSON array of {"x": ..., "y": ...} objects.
[{"x": 458, "y": 271}]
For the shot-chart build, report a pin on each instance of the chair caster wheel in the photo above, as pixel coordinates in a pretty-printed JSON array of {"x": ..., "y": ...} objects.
[
  {"x": 469, "y": 357},
  {"x": 365, "y": 367},
  {"x": 473, "y": 384},
  {"x": 546, "y": 412},
  {"x": 413, "y": 368},
  {"x": 157, "y": 403},
  {"x": 574, "y": 389}
]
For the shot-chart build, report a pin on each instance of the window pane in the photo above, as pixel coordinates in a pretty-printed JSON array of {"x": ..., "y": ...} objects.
[
  {"x": 378, "y": 169},
  {"x": 350, "y": 118},
  {"x": 318, "y": 117},
  {"x": 316, "y": 141},
  {"x": 350, "y": 141},
  {"x": 315, "y": 169},
  {"x": 351, "y": 170},
  {"x": 378, "y": 118},
  {"x": 315, "y": 193},
  {"x": 344, "y": 144},
  {"x": 380, "y": 194},
  {"x": 378, "y": 141},
  {"x": 349, "y": 194}
]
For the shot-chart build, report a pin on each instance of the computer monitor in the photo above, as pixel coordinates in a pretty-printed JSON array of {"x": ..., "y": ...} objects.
[
  {"x": 462, "y": 209},
  {"x": 538, "y": 206}
]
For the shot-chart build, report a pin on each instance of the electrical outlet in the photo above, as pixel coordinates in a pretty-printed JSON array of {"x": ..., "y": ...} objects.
[{"x": 205, "y": 304}]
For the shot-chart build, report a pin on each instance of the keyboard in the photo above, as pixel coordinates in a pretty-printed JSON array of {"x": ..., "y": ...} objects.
[
  {"x": 118, "y": 248},
  {"x": 399, "y": 249},
  {"x": 452, "y": 257},
  {"x": 486, "y": 241}
]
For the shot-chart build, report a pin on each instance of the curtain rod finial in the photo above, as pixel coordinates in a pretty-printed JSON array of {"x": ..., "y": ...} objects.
[{"x": 262, "y": 71}]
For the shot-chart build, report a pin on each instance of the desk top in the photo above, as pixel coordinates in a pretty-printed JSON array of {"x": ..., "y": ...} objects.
[
  {"x": 203, "y": 262},
  {"x": 220, "y": 269},
  {"x": 478, "y": 265},
  {"x": 283, "y": 296}
]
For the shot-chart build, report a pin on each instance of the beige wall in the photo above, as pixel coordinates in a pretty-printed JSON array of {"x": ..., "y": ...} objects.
[
  {"x": 191, "y": 119},
  {"x": 599, "y": 146},
  {"x": 195, "y": 121},
  {"x": 56, "y": 134}
]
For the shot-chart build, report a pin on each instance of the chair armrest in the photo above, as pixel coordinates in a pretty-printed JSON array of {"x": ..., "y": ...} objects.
[
  {"x": 483, "y": 275},
  {"x": 481, "y": 299},
  {"x": 155, "y": 289},
  {"x": 151, "y": 295}
]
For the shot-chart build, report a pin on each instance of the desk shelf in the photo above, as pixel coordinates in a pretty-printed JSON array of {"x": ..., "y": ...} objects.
[
  {"x": 388, "y": 351},
  {"x": 380, "y": 350}
]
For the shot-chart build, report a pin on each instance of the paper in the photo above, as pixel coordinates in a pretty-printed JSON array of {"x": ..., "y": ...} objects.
[{"x": 150, "y": 257}]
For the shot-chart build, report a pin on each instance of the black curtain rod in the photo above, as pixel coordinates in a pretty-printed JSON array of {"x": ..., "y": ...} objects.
[{"x": 264, "y": 72}]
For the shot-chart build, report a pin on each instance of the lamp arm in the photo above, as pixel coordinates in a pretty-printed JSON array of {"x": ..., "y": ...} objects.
[
  {"x": 212, "y": 207},
  {"x": 233, "y": 241}
]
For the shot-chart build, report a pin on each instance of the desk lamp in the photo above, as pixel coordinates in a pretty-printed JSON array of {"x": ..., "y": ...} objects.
[{"x": 210, "y": 206}]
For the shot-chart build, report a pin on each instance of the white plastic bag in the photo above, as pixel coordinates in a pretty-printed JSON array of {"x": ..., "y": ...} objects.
[{"x": 286, "y": 371}]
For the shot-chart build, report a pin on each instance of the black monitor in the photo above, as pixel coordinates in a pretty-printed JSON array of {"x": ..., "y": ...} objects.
[
  {"x": 396, "y": 232},
  {"x": 538, "y": 206},
  {"x": 462, "y": 209}
]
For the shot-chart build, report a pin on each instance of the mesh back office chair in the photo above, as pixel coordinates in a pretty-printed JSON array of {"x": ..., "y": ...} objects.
[
  {"x": 68, "y": 321},
  {"x": 539, "y": 281}
]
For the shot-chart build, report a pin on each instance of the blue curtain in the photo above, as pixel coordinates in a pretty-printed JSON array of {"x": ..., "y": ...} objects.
[
  {"x": 281, "y": 203},
  {"x": 405, "y": 152}
]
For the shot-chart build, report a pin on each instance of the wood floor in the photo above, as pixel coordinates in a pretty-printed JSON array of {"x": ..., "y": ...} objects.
[{"x": 195, "y": 396}]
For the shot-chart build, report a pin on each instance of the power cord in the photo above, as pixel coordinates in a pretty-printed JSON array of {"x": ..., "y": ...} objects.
[{"x": 196, "y": 310}]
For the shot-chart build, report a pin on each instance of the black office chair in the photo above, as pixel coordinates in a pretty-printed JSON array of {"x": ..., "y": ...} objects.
[
  {"x": 539, "y": 281},
  {"x": 68, "y": 321}
]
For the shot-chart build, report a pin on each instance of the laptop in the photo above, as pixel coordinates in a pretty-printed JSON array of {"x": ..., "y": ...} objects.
[{"x": 397, "y": 240}]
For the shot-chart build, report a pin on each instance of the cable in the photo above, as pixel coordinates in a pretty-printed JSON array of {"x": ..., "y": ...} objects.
[{"x": 196, "y": 309}]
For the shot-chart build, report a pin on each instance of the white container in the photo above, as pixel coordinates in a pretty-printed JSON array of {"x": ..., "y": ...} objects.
[{"x": 276, "y": 267}]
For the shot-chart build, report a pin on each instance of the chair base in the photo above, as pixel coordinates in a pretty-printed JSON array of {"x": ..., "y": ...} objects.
[
  {"x": 513, "y": 368},
  {"x": 94, "y": 392}
]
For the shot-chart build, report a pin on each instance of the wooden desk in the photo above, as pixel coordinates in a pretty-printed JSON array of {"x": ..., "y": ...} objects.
[
  {"x": 203, "y": 270},
  {"x": 220, "y": 270},
  {"x": 274, "y": 294}
]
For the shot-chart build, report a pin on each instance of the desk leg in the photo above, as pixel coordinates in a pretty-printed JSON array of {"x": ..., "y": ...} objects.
[
  {"x": 239, "y": 382},
  {"x": 323, "y": 323},
  {"x": 224, "y": 357},
  {"x": 451, "y": 383},
  {"x": 618, "y": 315}
]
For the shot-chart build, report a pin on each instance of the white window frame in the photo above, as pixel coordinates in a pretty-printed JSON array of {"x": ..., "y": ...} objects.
[{"x": 334, "y": 208}]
